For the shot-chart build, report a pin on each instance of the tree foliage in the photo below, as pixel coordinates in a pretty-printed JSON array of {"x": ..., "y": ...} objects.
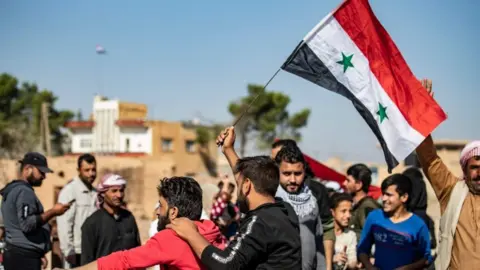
[
  {"x": 267, "y": 119},
  {"x": 206, "y": 134},
  {"x": 20, "y": 117}
]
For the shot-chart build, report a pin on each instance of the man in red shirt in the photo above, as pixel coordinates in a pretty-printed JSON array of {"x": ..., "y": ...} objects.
[{"x": 178, "y": 197}]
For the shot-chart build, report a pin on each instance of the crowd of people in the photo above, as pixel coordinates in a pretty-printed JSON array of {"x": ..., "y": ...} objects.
[{"x": 283, "y": 217}]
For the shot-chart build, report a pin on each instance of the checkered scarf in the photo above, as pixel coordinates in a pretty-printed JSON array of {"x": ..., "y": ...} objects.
[
  {"x": 303, "y": 203},
  {"x": 108, "y": 181}
]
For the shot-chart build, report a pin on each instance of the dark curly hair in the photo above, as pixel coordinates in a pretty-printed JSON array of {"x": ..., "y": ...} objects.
[
  {"x": 183, "y": 193},
  {"x": 289, "y": 154},
  {"x": 284, "y": 142}
]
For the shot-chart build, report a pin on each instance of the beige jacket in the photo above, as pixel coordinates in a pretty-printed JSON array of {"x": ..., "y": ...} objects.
[{"x": 448, "y": 225}]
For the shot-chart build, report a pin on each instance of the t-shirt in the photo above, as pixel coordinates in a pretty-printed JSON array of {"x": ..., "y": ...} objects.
[
  {"x": 409, "y": 240},
  {"x": 347, "y": 241}
]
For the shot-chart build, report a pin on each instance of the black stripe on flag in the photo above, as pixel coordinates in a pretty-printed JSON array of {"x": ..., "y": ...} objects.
[{"x": 304, "y": 63}]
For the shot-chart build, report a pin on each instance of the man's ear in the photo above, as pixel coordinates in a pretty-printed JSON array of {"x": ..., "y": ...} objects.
[
  {"x": 404, "y": 198},
  {"x": 172, "y": 213},
  {"x": 247, "y": 186},
  {"x": 358, "y": 185}
]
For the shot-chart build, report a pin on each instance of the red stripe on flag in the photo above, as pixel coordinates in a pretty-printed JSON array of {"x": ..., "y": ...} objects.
[{"x": 389, "y": 67}]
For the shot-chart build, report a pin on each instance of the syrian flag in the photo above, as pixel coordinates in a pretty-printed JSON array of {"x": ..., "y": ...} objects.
[
  {"x": 100, "y": 49},
  {"x": 350, "y": 53}
]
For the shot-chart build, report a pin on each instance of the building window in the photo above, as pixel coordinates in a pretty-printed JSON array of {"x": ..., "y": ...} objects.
[
  {"x": 127, "y": 145},
  {"x": 86, "y": 143},
  {"x": 167, "y": 145},
  {"x": 374, "y": 175},
  {"x": 190, "y": 146}
]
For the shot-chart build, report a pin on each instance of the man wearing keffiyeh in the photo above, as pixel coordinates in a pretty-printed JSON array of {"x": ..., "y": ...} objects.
[
  {"x": 111, "y": 181},
  {"x": 293, "y": 189},
  {"x": 111, "y": 228},
  {"x": 459, "y": 199}
]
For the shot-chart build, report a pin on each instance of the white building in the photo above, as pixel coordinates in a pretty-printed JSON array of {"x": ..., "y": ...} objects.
[{"x": 114, "y": 127}]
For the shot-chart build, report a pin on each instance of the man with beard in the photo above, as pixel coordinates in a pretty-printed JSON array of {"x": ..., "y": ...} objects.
[
  {"x": 268, "y": 236},
  {"x": 80, "y": 190},
  {"x": 295, "y": 191},
  {"x": 27, "y": 232},
  {"x": 359, "y": 177},
  {"x": 111, "y": 228},
  {"x": 318, "y": 189},
  {"x": 459, "y": 203},
  {"x": 320, "y": 192},
  {"x": 178, "y": 197},
  {"x": 401, "y": 238}
]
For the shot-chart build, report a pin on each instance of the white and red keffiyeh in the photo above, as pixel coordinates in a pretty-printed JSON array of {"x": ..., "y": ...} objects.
[
  {"x": 108, "y": 181},
  {"x": 470, "y": 150}
]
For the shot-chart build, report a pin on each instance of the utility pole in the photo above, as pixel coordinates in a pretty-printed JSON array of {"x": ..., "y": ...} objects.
[{"x": 46, "y": 128}]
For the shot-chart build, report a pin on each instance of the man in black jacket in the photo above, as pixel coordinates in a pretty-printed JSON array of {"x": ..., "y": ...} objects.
[
  {"x": 268, "y": 237},
  {"x": 320, "y": 193},
  {"x": 27, "y": 232}
]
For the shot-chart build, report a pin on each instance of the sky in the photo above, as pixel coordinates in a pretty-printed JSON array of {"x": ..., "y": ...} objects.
[{"x": 186, "y": 59}]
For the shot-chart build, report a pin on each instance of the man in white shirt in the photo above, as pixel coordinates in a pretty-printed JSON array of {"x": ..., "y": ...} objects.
[{"x": 81, "y": 191}]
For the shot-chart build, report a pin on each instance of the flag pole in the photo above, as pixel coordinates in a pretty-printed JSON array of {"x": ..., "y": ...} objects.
[
  {"x": 286, "y": 62},
  {"x": 255, "y": 98},
  {"x": 251, "y": 103}
]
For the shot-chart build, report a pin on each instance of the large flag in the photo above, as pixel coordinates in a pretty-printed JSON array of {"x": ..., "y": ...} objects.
[{"x": 350, "y": 53}]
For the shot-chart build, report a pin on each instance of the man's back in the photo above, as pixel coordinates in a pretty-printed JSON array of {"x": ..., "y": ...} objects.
[
  {"x": 268, "y": 238},
  {"x": 360, "y": 213}
]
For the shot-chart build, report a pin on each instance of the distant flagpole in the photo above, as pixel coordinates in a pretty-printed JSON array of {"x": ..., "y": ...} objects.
[{"x": 100, "y": 50}]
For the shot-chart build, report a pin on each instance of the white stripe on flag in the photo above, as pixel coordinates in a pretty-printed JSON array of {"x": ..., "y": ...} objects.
[{"x": 328, "y": 41}]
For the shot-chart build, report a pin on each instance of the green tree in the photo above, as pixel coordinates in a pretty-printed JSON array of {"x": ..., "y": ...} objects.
[
  {"x": 206, "y": 134},
  {"x": 267, "y": 119},
  {"x": 20, "y": 117},
  {"x": 203, "y": 136}
]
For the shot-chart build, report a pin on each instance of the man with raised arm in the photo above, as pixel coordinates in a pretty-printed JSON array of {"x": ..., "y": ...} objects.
[{"x": 268, "y": 236}]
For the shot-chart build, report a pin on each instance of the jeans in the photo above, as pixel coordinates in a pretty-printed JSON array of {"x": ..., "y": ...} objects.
[{"x": 15, "y": 258}]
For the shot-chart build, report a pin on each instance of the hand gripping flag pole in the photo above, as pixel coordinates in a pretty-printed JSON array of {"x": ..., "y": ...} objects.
[{"x": 251, "y": 103}]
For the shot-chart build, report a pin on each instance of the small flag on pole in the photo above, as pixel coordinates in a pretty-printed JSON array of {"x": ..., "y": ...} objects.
[
  {"x": 350, "y": 53},
  {"x": 100, "y": 50}
]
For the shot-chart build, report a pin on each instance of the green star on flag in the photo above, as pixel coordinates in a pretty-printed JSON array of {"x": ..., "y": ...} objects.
[
  {"x": 382, "y": 112},
  {"x": 346, "y": 62},
  {"x": 380, "y": 74}
]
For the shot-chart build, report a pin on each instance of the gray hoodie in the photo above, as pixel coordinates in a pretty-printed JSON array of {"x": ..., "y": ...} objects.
[{"x": 21, "y": 212}]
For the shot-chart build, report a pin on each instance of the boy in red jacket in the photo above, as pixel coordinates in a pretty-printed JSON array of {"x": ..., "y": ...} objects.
[{"x": 178, "y": 197}]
